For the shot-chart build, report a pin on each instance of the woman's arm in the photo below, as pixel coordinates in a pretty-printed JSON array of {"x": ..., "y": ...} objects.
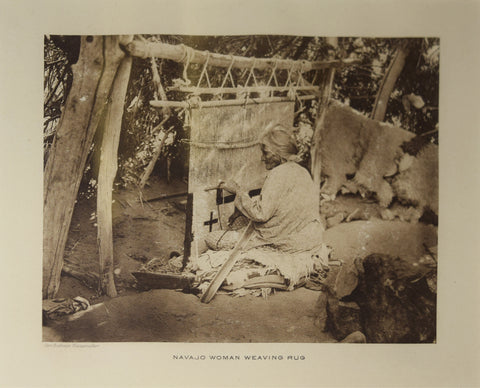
[{"x": 262, "y": 208}]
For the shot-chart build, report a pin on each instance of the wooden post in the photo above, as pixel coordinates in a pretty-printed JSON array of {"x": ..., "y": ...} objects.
[
  {"x": 92, "y": 79},
  {"x": 326, "y": 87},
  {"x": 107, "y": 173}
]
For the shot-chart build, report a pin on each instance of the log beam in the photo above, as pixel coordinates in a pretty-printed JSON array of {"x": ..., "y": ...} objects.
[
  {"x": 242, "y": 89},
  {"x": 185, "y": 54}
]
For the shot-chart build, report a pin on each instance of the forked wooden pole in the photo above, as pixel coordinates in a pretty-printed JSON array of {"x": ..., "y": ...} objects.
[
  {"x": 106, "y": 176},
  {"x": 93, "y": 75}
]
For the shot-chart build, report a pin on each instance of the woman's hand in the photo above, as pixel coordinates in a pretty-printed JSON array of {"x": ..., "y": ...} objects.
[
  {"x": 231, "y": 186},
  {"x": 236, "y": 214}
]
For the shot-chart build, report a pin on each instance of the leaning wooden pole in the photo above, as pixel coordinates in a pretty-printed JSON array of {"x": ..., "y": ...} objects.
[
  {"x": 160, "y": 91},
  {"x": 107, "y": 173},
  {"x": 326, "y": 90},
  {"x": 388, "y": 82},
  {"x": 316, "y": 165},
  {"x": 151, "y": 165},
  {"x": 93, "y": 75}
]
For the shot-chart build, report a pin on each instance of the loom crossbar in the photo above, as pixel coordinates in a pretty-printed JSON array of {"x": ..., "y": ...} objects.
[
  {"x": 202, "y": 104},
  {"x": 182, "y": 53}
]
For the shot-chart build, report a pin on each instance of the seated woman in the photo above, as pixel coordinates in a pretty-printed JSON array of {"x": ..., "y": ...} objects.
[
  {"x": 287, "y": 236},
  {"x": 286, "y": 216}
]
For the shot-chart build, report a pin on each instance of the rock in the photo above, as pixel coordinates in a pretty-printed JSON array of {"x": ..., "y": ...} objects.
[
  {"x": 347, "y": 278},
  {"x": 357, "y": 337},
  {"x": 397, "y": 305},
  {"x": 390, "y": 300},
  {"x": 335, "y": 220},
  {"x": 387, "y": 215},
  {"x": 321, "y": 312},
  {"x": 403, "y": 213},
  {"x": 343, "y": 318}
]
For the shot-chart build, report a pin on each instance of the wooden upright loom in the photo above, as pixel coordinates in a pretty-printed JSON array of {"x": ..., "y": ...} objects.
[
  {"x": 225, "y": 121},
  {"x": 224, "y": 145}
]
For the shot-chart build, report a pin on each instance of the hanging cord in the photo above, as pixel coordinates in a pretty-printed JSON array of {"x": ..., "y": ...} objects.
[
  {"x": 295, "y": 89},
  {"x": 227, "y": 74},
  {"x": 204, "y": 72},
  {"x": 272, "y": 76},
  {"x": 187, "y": 120},
  {"x": 291, "y": 87},
  {"x": 300, "y": 75},
  {"x": 251, "y": 73},
  {"x": 159, "y": 92},
  {"x": 315, "y": 75},
  {"x": 188, "y": 54}
]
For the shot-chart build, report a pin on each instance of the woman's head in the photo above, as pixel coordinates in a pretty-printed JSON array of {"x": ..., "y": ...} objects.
[{"x": 278, "y": 146}]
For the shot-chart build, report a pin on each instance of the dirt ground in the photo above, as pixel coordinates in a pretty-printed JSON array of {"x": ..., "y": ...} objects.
[{"x": 149, "y": 230}]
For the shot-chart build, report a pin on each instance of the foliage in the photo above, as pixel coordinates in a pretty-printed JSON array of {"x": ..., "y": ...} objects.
[
  {"x": 57, "y": 81},
  {"x": 358, "y": 85}
]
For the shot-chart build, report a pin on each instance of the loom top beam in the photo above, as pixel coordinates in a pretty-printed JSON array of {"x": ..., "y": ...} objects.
[{"x": 185, "y": 54}]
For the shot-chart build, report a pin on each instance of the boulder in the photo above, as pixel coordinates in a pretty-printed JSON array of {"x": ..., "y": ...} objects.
[{"x": 390, "y": 299}]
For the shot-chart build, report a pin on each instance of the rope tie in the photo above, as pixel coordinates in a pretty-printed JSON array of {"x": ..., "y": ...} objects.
[
  {"x": 300, "y": 72},
  {"x": 204, "y": 71},
  {"x": 292, "y": 93},
  {"x": 272, "y": 76},
  {"x": 228, "y": 73},
  {"x": 315, "y": 75},
  {"x": 188, "y": 54},
  {"x": 289, "y": 73},
  {"x": 251, "y": 73}
]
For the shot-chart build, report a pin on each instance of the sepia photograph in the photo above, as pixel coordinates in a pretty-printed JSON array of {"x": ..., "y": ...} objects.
[
  {"x": 255, "y": 193},
  {"x": 195, "y": 186}
]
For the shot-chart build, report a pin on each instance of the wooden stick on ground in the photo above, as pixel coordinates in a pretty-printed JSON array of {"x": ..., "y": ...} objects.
[{"x": 166, "y": 196}]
